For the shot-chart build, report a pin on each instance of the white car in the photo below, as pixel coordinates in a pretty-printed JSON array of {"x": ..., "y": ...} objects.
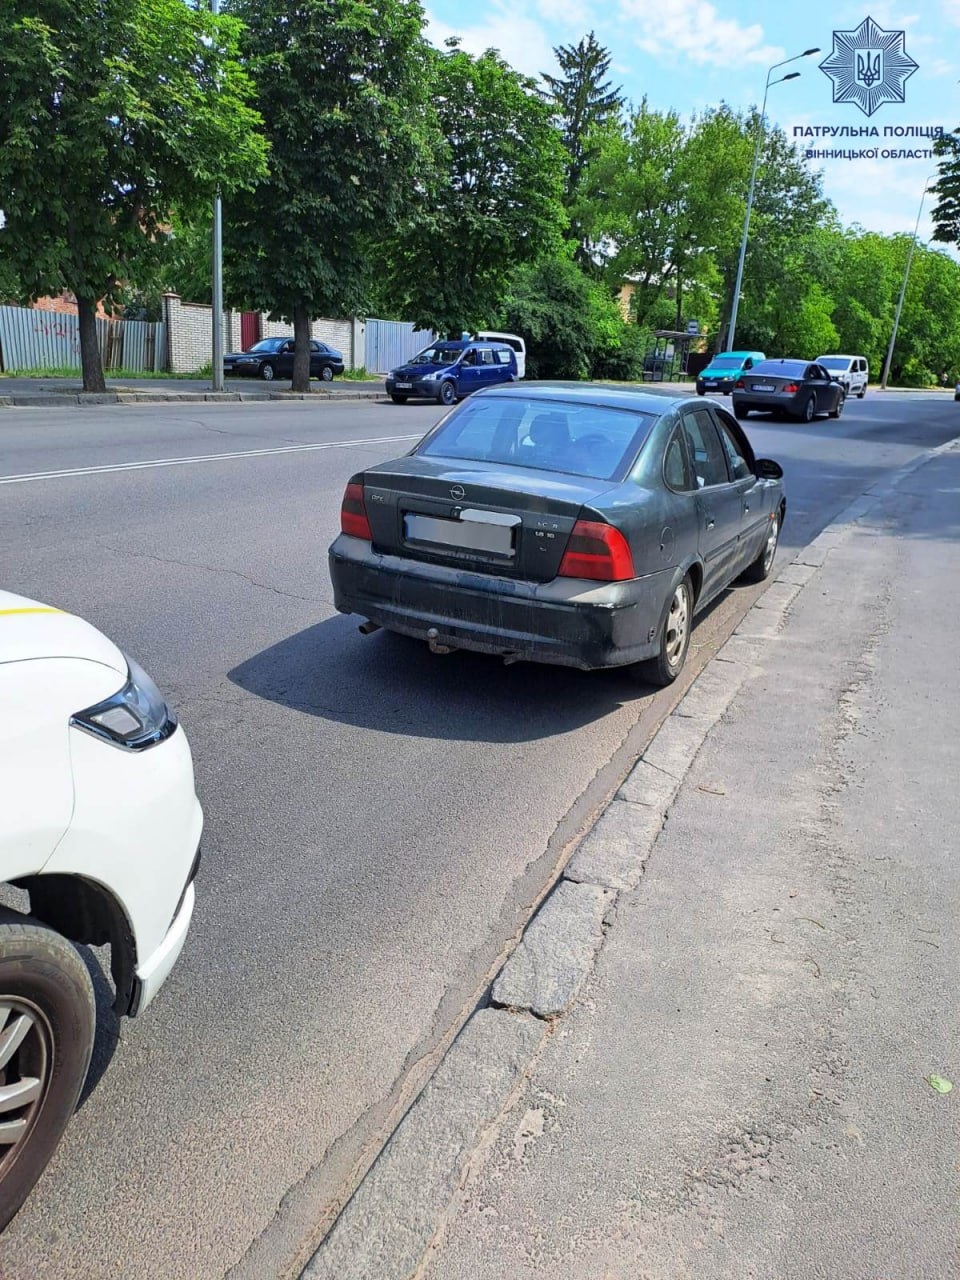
[
  {"x": 100, "y": 824},
  {"x": 852, "y": 372}
]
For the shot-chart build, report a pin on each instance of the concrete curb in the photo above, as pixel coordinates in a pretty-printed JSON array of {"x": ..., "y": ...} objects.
[{"x": 429, "y": 1154}]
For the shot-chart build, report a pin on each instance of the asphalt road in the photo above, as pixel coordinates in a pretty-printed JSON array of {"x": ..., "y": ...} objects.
[{"x": 378, "y": 819}]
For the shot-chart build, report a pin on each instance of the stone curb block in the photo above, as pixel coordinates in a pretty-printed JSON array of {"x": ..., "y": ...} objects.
[
  {"x": 648, "y": 786},
  {"x": 387, "y": 1226},
  {"x": 556, "y": 952},
  {"x": 760, "y": 624},
  {"x": 797, "y": 574},
  {"x": 711, "y": 693},
  {"x": 616, "y": 849},
  {"x": 675, "y": 746},
  {"x": 779, "y": 596}
]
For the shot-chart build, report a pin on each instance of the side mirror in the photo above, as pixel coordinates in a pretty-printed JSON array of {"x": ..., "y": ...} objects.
[{"x": 767, "y": 469}]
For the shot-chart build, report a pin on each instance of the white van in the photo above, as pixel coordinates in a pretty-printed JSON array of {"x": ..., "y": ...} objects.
[
  {"x": 852, "y": 372},
  {"x": 512, "y": 340}
]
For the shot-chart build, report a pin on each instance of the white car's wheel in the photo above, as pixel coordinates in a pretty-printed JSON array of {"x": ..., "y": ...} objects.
[{"x": 47, "y": 1026}]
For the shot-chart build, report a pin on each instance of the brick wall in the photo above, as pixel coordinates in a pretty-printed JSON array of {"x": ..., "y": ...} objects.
[{"x": 190, "y": 334}]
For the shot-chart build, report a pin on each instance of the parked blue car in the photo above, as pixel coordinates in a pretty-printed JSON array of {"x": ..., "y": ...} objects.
[{"x": 448, "y": 371}]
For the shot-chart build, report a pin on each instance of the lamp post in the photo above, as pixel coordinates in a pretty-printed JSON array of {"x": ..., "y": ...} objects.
[
  {"x": 732, "y": 331},
  {"x": 217, "y": 309},
  {"x": 903, "y": 288}
]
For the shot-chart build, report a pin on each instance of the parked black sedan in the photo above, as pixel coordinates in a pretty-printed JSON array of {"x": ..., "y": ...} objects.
[
  {"x": 273, "y": 358},
  {"x": 562, "y": 523},
  {"x": 796, "y": 388}
]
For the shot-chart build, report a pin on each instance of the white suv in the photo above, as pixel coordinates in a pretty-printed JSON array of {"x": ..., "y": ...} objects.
[
  {"x": 100, "y": 824},
  {"x": 852, "y": 372}
]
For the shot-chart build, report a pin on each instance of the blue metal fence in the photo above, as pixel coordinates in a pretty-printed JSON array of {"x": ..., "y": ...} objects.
[
  {"x": 33, "y": 339},
  {"x": 389, "y": 343}
]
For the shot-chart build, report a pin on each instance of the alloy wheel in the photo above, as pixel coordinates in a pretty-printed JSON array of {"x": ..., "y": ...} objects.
[
  {"x": 678, "y": 622},
  {"x": 771, "y": 547},
  {"x": 26, "y": 1061}
]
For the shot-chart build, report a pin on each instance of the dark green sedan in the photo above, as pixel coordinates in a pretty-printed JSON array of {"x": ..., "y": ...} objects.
[{"x": 562, "y": 523}]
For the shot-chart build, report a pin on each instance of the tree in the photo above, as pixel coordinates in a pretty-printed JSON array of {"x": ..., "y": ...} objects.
[
  {"x": 342, "y": 86},
  {"x": 111, "y": 114},
  {"x": 583, "y": 102},
  {"x": 664, "y": 204},
  {"x": 946, "y": 212},
  {"x": 492, "y": 201},
  {"x": 570, "y": 323}
]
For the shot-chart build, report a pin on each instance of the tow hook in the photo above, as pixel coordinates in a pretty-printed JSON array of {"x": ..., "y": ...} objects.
[
  {"x": 433, "y": 635},
  {"x": 368, "y": 628}
]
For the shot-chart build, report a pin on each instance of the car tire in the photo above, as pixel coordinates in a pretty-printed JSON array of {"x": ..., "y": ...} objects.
[
  {"x": 861, "y": 393},
  {"x": 399, "y": 399},
  {"x": 700, "y": 393},
  {"x": 762, "y": 567},
  {"x": 809, "y": 411},
  {"x": 43, "y": 980},
  {"x": 740, "y": 411},
  {"x": 673, "y": 647},
  {"x": 836, "y": 412},
  {"x": 447, "y": 394},
  {"x": 267, "y": 371},
  {"x": 326, "y": 374}
]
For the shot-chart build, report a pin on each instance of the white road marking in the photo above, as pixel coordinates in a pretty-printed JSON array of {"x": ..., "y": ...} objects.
[{"x": 29, "y": 476}]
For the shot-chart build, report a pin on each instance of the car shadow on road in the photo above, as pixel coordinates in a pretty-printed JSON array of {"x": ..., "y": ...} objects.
[
  {"x": 396, "y": 685},
  {"x": 108, "y": 1024}
]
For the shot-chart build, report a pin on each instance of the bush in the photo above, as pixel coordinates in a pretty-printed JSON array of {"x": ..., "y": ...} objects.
[{"x": 572, "y": 325}]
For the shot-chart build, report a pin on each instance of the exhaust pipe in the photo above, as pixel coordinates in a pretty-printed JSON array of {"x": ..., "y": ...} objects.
[
  {"x": 368, "y": 628},
  {"x": 433, "y": 636}
]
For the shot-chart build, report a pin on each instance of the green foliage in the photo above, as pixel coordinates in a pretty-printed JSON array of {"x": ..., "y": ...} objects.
[
  {"x": 111, "y": 115},
  {"x": 571, "y": 324},
  {"x": 946, "y": 211},
  {"x": 583, "y": 102},
  {"x": 491, "y": 202},
  {"x": 343, "y": 90}
]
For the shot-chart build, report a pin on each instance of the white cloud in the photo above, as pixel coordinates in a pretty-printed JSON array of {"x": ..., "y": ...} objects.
[
  {"x": 569, "y": 13},
  {"x": 951, "y": 11},
  {"x": 522, "y": 40},
  {"x": 695, "y": 30}
]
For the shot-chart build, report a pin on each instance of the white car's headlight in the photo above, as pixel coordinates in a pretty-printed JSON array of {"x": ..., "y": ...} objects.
[{"x": 135, "y": 717}]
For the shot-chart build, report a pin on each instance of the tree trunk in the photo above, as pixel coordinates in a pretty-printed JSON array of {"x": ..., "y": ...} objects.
[
  {"x": 90, "y": 361},
  {"x": 301, "y": 355}
]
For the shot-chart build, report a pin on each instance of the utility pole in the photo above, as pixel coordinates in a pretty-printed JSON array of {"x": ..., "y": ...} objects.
[
  {"x": 903, "y": 288},
  {"x": 732, "y": 327},
  {"x": 217, "y": 309}
]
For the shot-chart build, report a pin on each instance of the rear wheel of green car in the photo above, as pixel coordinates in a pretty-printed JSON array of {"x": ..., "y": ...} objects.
[{"x": 674, "y": 639}]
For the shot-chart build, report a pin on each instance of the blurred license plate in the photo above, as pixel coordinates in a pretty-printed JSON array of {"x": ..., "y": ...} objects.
[
  {"x": 468, "y": 535},
  {"x": 710, "y": 384},
  {"x": 404, "y": 386},
  {"x": 763, "y": 386}
]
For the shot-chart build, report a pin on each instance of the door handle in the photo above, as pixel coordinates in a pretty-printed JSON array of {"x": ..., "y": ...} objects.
[
  {"x": 746, "y": 508},
  {"x": 710, "y": 522}
]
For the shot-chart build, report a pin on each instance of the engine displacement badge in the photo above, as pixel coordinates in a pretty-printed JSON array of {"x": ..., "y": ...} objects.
[{"x": 868, "y": 66}]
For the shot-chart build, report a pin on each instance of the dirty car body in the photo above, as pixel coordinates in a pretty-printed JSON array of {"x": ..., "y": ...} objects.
[{"x": 554, "y": 524}]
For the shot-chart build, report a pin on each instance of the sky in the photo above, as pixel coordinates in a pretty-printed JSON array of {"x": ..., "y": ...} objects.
[{"x": 691, "y": 54}]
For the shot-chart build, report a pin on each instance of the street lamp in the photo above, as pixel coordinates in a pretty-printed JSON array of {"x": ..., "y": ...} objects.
[
  {"x": 217, "y": 308},
  {"x": 731, "y": 333},
  {"x": 903, "y": 288}
]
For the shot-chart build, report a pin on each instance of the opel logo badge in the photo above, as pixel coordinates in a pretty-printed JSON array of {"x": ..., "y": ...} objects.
[{"x": 458, "y": 493}]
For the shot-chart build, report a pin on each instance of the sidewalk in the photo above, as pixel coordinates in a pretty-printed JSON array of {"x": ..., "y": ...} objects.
[
  {"x": 738, "y": 1086},
  {"x": 64, "y": 392}
]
